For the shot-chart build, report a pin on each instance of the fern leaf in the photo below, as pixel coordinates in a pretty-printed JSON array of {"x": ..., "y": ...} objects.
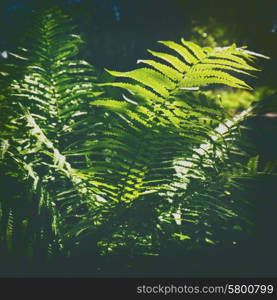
[
  {"x": 137, "y": 90},
  {"x": 172, "y": 60},
  {"x": 150, "y": 78},
  {"x": 195, "y": 49},
  {"x": 187, "y": 56},
  {"x": 112, "y": 104},
  {"x": 164, "y": 69}
]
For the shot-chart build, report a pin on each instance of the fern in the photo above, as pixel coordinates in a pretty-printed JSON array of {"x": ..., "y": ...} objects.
[
  {"x": 48, "y": 101},
  {"x": 163, "y": 124},
  {"x": 153, "y": 160}
]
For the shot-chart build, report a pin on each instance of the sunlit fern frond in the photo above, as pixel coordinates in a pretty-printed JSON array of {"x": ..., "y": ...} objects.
[{"x": 159, "y": 120}]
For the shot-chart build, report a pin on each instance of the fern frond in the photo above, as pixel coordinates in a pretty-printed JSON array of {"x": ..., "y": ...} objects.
[
  {"x": 44, "y": 103},
  {"x": 172, "y": 60},
  {"x": 169, "y": 122},
  {"x": 150, "y": 78},
  {"x": 183, "y": 51}
]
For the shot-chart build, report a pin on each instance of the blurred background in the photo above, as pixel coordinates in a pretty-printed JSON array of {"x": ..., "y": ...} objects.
[{"x": 118, "y": 32}]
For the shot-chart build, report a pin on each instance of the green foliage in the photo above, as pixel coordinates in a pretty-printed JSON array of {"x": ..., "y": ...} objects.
[
  {"x": 43, "y": 104},
  {"x": 213, "y": 34},
  {"x": 216, "y": 34},
  {"x": 235, "y": 101},
  {"x": 177, "y": 159},
  {"x": 128, "y": 166}
]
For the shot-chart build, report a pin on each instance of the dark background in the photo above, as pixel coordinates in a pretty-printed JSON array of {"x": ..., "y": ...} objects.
[{"x": 118, "y": 32}]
